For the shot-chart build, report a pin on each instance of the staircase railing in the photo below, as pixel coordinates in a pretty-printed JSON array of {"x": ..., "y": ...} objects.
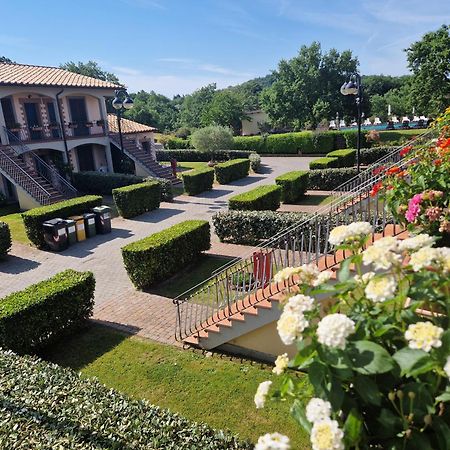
[
  {"x": 247, "y": 281},
  {"x": 50, "y": 174}
]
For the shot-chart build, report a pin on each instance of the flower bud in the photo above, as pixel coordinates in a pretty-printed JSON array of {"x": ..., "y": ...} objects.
[
  {"x": 400, "y": 394},
  {"x": 410, "y": 417},
  {"x": 428, "y": 419},
  {"x": 412, "y": 395},
  {"x": 391, "y": 396},
  {"x": 408, "y": 433}
]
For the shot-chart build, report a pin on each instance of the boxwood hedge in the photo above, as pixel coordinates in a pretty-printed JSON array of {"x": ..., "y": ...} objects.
[
  {"x": 197, "y": 156},
  {"x": 103, "y": 183},
  {"x": 323, "y": 163},
  {"x": 198, "y": 180},
  {"x": 346, "y": 157},
  {"x": 44, "y": 311},
  {"x": 5, "y": 239},
  {"x": 162, "y": 254},
  {"x": 137, "y": 199},
  {"x": 34, "y": 218},
  {"x": 45, "y": 406},
  {"x": 293, "y": 184},
  {"x": 370, "y": 155},
  {"x": 329, "y": 179},
  {"x": 231, "y": 170},
  {"x": 265, "y": 197}
]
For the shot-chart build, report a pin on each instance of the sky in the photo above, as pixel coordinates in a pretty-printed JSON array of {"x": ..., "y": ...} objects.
[{"x": 177, "y": 46}]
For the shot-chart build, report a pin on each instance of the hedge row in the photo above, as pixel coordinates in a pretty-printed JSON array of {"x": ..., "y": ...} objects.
[
  {"x": 5, "y": 239},
  {"x": 44, "y": 311},
  {"x": 293, "y": 185},
  {"x": 370, "y": 155},
  {"x": 45, "y": 406},
  {"x": 229, "y": 171},
  {"x": 137, "y": 199},
  {"x": 329, "y": 179},
  {"x": 162, "y": 254},
  {"x": 198, "y": 180},
  {"x": 346, "y": 157},
  {"x": 34, "y": 218},
  {"x": 265, "y": 197},
  {"x": 175, "y": 143},
  {"x": 323, "y": 163},
  {"x": 197, "y": 156}
]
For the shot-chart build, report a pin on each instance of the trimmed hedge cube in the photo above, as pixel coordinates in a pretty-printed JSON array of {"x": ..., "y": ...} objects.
[
  {"x": 103, "y": 183},
  {"x": 45, "y": 311},
  {"x": 232, "y": 170},
  {"x": 346, "y": 158},
  {"x": 267, "y": 197},
  {"x": 323, "y": 163},
  {"x": 34, "y": 218},
  {"x": 5, "y": 239},
  {"x": 198, "y": 180},
  {"x": 163, "y": 254},
  {"x": 329, "y": 179},
  {"x": 137, "y": 199},
  {"x": 293, "y": 184}
]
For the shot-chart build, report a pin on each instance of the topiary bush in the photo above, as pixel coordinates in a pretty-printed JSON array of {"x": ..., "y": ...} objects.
[
  {"x": 285, "y": 143},
  {"x": 231, "y": 170},
  {"x": 255, "y": 162},
  {"x": 293, "y": 184},
  {"x": 5, "y": 239},
  {"x": 34, "y": 218},
  {"x": 265, "y": 197},
  {"x": 196, "y": 156},
  {"x": 162, "y": 254},
  {"x": 137, "y": 199},
  {"x": 31, "y": 318},
  {"x": 323, "y": 163},
  {"x": 346, "y": 158},
  {"x": 198, "y": 180},
  {"x": 45, "y": 406},
  {"x": 102, "y": 183},
  {"x": 329, "y": 179},
  {"x": 323, "y": 142}
]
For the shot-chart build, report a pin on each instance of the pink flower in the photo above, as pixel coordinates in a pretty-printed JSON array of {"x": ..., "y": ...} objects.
[
  {"x": 433, "y": 213},
  {"x": 413, "y": 208}
]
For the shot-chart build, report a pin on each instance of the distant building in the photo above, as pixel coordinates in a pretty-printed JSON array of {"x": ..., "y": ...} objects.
[{"x": 251, "y": 126}]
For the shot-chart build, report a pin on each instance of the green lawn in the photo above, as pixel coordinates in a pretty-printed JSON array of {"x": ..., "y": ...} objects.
[
  {"x": 315, "y": 200},
  {"x": 11, "y": 215},
  {"x": 214, "y": 389}
]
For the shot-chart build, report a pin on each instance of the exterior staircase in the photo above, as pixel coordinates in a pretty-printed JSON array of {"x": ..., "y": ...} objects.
[
  {"x": 143, "y": 158},
  {"x": 242, "y": 296}
]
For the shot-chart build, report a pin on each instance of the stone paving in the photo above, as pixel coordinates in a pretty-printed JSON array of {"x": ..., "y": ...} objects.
[{"x": 117, "y": 303}]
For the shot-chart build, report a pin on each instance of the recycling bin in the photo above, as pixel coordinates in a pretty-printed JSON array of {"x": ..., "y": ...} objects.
[
  {"x": 102, "y": 219},
  {"x": 79, "y": 226},
  {"x": 71, "y": 231},
  {"x": 89, "y": 224},
  {"x": 55, "y": 234}
]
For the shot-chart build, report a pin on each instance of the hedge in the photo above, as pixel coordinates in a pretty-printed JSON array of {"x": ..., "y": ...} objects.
[
  {"x": 250, "y": 143},
  {"x": 265, "y": 197},
  {"x": 31, "y": 318},
  {"x": 346, "y": 158},
  {"x": 45, "y": 406},
  {"x": 197, "y": 156},
  {"x": 351, "y": 138},
  {"x": 231, "y": 170},
  {"x": 5, "y": 239},
  {"x": 137, "y": 199},
  {"x": 34, "y": 218},
  {"x": 371, "y": 155},
  {"x": 174, "y": 143},
  {"x": 323, "y": 163},
  {"x": 163, "y": 254},
  {"x": 293, "y": 184},
  {"x": 102, "y": 183},
  {"x": 198, "y": 180},
  {"x": 284, "y": 143},
  {"x": 323, "y": 142},
  {"x": 329, "y": 179}
]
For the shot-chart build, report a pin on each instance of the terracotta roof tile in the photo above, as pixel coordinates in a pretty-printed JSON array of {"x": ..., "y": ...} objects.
[
  {"x": 128, "y": 126},
  {"x": 27, "y": 75}
]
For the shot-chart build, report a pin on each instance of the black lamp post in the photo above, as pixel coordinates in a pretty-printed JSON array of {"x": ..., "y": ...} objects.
[
  {"x": 354, "y": 87},
  {"x": 120, "y": 105}
]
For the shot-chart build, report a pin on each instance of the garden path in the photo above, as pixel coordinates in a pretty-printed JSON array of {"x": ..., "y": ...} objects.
[{"x": 117, "y": 303}]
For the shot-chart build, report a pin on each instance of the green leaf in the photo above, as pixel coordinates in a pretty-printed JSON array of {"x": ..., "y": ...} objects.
[
  {"x": 353, "y": 428},
  {"x": 390, "y": 424},
  {"x": 442, "y": 431},
  {"x": 335, "y": 394},
  {"x": 334, "y": 357},
  {"x": 369, "y": 358},
  {"x": 445, "y": 396},
  {"x": 368, "y": 390},
  {"x": 444, "y": 350},
  {"x": 413, "y": 362},
  {"x": 298, "y": 413},
  {"x": 344, "y": 271},
  {"x": 317, "y": 373}
]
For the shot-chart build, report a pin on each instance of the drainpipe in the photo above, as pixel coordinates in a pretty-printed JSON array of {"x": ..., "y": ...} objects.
[{"x": 63, "y": 131}]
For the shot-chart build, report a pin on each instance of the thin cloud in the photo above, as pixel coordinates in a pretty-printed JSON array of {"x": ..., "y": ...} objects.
[{"x": 147, "y": 4}]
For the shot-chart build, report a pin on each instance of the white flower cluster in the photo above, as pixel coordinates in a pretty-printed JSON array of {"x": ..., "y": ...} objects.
[
  {"x": 318, "y": 409},
  {"x": 424, "y": 336},
  {"x": 261, "y": 394},
  {"x": 429, "y": 256},
  {"x": 415, "y": 243},
  {"x": 380, "y": 257},
  {"x": 273, "y": 441},
  {"x": 307, "y": 274},
  {"x": 334, "y": 329},
  {"x": 348, "y": 233},
  {"x": 364, "y": 278},
  {"x": 281, "y": 364},
  {"x": 447, "y": 367},
  {"x": 285, "y": 274},
  {"x": 381, "y": 288},
  {"x": 292, "y": 321}
]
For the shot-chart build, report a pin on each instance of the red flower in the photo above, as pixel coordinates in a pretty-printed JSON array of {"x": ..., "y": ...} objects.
[
  {"x": 444, "y": 143},
  {"x": 405, "y": 151},
  {"x": 402, "y": 173},
  {"x": 438, "y": 162},
  {"x": 393, "y": 170},
  {"x": 376, "y": 188},
  {"x": 378, "y": 170}
]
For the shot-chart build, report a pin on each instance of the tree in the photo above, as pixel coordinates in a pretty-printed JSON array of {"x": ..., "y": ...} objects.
[
  {"x": 90, "y": 69},
  {"x": 212, "y": 138},
  {"x": 398, "y": 98},
  {"x": 429, "y": 61},
  {"x": 293, "y": 98},
  {"x": 194, "y": 106},
  {"x": 4, "y": 59}
]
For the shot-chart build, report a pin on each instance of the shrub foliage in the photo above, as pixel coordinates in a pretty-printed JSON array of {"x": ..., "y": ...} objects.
[
  {"x": 197, "y": 156},
  {"x": 162, "y": 254},
  {"x": 5, "y": 239},
  {"x": 265, "y": 197},
  {"x": 293, "y": 184},
  {"x": 137, "y": 199},
  {"x": 323, "y": 163},
  {"x": 329, "y": 179},
  {"x": 231, "y": 170},
  {"x": 198, "y": 180},
  {"x": 102, "y": 183},
  {"x": 44, "y": 311},
  {"x": 346, "y": 157}
]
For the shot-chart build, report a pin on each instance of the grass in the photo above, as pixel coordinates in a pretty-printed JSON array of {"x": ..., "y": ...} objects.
[
  {"x": 315, "y": 200},
  {"x": 190, "y": 276},
  {"x": 214, "y": 389},
  {"x": 12, "y": 216}
]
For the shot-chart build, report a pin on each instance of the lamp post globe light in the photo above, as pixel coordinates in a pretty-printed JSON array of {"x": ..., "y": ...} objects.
[
  {"x": 354, "y": 87},
  {"x": 120, "y": 105}
]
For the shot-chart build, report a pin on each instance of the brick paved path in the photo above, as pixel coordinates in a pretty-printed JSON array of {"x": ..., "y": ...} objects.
[{"x": 117, "y": 303}]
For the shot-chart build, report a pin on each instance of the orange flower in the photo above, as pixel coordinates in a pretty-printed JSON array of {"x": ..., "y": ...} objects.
[
  {"x": 402, "y": 173},
  {"x": 438, "y": 162},
  {"x": 393, "y": 170},
  {"x": 376, "y": 188},
  {"x": 405, "y": 150},
  {"x": 444, "y": 143}
]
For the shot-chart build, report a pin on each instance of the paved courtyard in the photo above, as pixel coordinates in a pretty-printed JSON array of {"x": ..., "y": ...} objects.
[{"x": 117, "y": 303}]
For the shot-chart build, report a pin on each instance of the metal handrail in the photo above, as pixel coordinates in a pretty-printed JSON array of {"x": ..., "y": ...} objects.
[{"x": 246, "y": 281}]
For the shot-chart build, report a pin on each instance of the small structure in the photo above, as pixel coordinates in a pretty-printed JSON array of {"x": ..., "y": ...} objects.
[
  {"x": 377, "y": 121},
  {"x": 250, "y": 126}
]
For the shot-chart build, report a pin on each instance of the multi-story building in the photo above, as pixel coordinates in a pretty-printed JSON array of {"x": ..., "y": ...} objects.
[{"x": 52, "y": 119}]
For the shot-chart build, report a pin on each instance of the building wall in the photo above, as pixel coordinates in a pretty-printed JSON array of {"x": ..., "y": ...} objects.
[{"x": 250, "y": 127}]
